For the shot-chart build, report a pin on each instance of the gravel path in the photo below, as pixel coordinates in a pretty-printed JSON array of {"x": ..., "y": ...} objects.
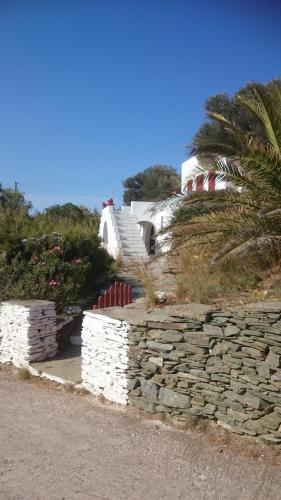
[{"x": 57, "y": 445}]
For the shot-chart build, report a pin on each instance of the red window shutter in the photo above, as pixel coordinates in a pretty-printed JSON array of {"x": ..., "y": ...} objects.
[
  {"x": 211, "y": 181},
  {"x": 189, "y": 186},
  {"x": 200, "y": 183}
]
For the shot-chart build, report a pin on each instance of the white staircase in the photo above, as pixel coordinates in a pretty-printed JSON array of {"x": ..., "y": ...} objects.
[{"x": 132, "y": 245}]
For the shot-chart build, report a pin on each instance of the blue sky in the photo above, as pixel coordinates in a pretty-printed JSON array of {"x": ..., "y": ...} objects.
[{"x": 92, "y": 92}]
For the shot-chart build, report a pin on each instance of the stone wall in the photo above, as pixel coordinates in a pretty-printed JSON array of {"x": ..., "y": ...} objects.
[
  {"x": 192, "y": 360},
  {"x": 27, "y": 331},
  {"x": 105, "y": 356}
]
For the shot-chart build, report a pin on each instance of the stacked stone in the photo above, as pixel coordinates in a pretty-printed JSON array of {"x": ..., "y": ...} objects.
[
  {"x": 225, "y": 366},
  {"x": 28, "y": 331},
  {"x": 105, "y": 356}
]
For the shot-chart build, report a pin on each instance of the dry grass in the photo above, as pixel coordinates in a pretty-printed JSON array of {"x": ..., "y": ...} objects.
[
  {"x": 142, "y": 272},
  {"x": 200, "y": 281},
  {"x": 24, "y": 374},
  {"x": 68, "y": 387},
  {"x": 117, "y": 264}
]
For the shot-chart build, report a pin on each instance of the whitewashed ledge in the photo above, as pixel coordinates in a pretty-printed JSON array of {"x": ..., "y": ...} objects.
[
  {"x": 105, "y": 356},
  {"x": 27, "y": 331}
]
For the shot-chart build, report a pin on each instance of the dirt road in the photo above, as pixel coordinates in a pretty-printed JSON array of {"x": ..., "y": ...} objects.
[{"x": 56, "y": 445}]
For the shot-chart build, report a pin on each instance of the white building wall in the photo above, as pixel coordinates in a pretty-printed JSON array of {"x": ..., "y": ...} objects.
[{"x": 190, "y": 170}]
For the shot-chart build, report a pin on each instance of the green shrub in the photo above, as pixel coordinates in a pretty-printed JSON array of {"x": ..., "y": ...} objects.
[{"x": 61, "y": 268}]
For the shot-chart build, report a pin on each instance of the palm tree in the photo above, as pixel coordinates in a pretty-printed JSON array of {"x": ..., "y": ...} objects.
[{"x": 245, "y": 217}]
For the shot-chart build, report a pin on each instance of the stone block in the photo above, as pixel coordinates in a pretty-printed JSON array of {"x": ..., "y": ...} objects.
[
  {"x": 142, "y": 404},
  {"x": 273, "y": 360},
  {"x": 209, "y": 409},
  {"x": 158, "y": 346},
  {"x": 213, "y": 331},
  {"x": 198, "y": 400},
  {"x": 156, "y": 361},
  {"x": 200, "y": 339},
  {"x": 132, "y": 383},
  {"x": 166, "y": 325},
  {"x": 231, "y": 330},
  {"x": 254, "y": 353},
  {"x": 237, "y": 415},
  {"x": 174, "y": 399},
  {"x": 149, "y": 367},
  {"x": 171, "y": 380},
  {"x": 227, "y": 423},
  {"x": 183, "y": 384},
  {"x": 190, "y": 348},
  {"x": 148, "y": 389},
  {"x": 170, "y": 336}
]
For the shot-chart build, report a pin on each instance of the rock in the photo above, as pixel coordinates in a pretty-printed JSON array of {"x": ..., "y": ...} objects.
[
  {"x": 155, "y": 334},
  {"x": 268, "y": 438},
  {"x": 227, "y": 423},
  {"x": 218, "y": 368},
  {"x": 200, "y": 373},
  {"x": 149, "y": 367},
  {"x": 270, "y": 421},
  {"x": 200, "y": 339},
  {"x": 237, "y": 415},
  {"x": 156, "y": 361},
  {"x": 273, "y": 360},
  {"x": 172, "y": 336},
  {"x": 132, "y": 383},
  {"x": 198, "y": 400},
  {"x": 220, "y": 378},
  {"x": 191, "y": 348},
  {"x": 135, "y": 392},
  {"x": 219, "y": 320},
  {"x": 183, "y": 384},
  {"x": 254, "y": 353},
  {"x": 230, "y": 331},
  {"x": 160, "y": 297},
  {"x": 142, "y": 404},
  {"x": 166, "y": 325},
  {"x": 174, "y": 399},
  {"x": 246, "y": 399},
  {"x": 213, "y": 331},
  {"x": 151, "y": 344},
  {"x": 196, "y": 312},
  {"x": 223, "y": 347},
  {"x": 171, "y": 380},
  {"x": 209, "y": 409},
  {"x": 149, "y": 390}
]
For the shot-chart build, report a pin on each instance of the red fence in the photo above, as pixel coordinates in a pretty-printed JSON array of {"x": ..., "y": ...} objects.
[{"x": 119, "y": 294}]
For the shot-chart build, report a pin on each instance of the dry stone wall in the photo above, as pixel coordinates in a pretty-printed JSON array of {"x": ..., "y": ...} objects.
[
  {"x": 192, "y": 360},
  {"x": 27, "y": 331}
]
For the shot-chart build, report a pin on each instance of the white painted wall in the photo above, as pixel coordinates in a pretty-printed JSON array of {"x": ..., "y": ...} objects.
[
  {"x": 190, "y": 170},
  {"x": 112, "y": 245}
]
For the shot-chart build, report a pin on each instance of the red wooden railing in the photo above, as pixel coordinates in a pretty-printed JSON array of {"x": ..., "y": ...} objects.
[{"x": 119, "y": 294}]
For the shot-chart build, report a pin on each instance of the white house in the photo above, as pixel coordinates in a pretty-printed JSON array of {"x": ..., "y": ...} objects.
[
  {"x": 133, "y": 231},
  {"x": 192, "y": 180}
]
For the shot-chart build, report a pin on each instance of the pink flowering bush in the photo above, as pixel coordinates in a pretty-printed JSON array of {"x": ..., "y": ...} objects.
[{"x": 61, "y": 268}]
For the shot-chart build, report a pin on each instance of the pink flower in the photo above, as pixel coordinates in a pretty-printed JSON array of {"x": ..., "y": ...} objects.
[
  {"x": 54, "y": 283},
  {"x": 56, "y": 248},
  {"x": 77, "y": 261}
]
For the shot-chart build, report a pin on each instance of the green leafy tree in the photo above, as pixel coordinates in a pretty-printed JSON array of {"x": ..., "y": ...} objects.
[
  {"x": 153, "y": 184},
  {"x": 231, "y": 110},
  {"x": 246, "y": 217},
  {"x": 13, "y": 200}
]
